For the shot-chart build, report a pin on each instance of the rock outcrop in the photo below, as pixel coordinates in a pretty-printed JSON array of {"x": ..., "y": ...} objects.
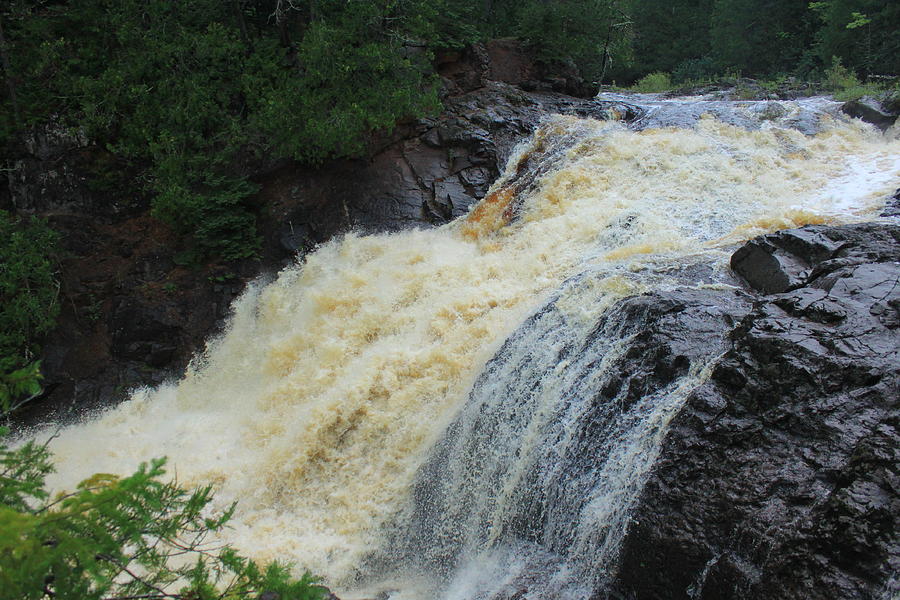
[
  {"x": 779, "y": 477},
  {"x": 427, "y": 173},
  {"x": 882, "y": 113},
  {"x": 135, "y": 306}
]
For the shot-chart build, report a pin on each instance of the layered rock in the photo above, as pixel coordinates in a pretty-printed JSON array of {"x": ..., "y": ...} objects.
[{"x": 779, "y": 477}]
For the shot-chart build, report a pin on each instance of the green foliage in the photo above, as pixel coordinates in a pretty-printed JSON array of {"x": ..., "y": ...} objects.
[
  {"x": 21, "y": 383},
  {"x": 865, "y": 34},
  {"x": 28, "y": 302},
  {"x": 669, "y": 34},
  {"x": 583, "y": 31},
  {"x": 357, "y": 76},
  {"x": 116, "y": 538},
  {"x": 695, "y": 70},
  {"x": 28, "y": 288},
  {"x": 846, "y": 86},
  {"x": 195, "y": 94},
  {"x": 653, "y": 83},
  {"x": 838, "y": 77},
  {"x": 760, "y": 37}
]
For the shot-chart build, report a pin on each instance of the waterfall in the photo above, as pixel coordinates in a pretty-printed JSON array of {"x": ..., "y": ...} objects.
[
  {"x": 531, "y": 485},
  {"x": 436, "y": 413}
]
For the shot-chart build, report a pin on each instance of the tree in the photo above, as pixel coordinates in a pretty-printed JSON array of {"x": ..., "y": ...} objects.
[
  {"x": 121, "y": 539},
  {"x": 10, "y": 78},
  {"x": 668, "y": 34},
  {"x": 760, "y": 37},
  {"x": 591, "y": 33},
  {"x": 864, "y": 34}
]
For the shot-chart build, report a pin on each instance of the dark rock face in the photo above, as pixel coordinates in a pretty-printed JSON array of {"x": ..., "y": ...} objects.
[
  {"x": 892, "y": 206},
  {"x": 133, "y": 312},
  {"x": 872, "y": 110},
  {"x": 779, "y": 477},
  {"x": 788, "y": 259},
  {"x": 44, "y": 177},
  {"x": 428, "y": 173}
]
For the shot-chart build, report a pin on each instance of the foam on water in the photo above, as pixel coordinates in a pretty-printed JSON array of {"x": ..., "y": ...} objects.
[{"x": 324, "y": 398}]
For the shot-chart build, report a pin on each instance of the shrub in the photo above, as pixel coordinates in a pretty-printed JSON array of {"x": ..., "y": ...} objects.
[
  {"x": 28, "y": 300},
  {"x": 116, "y": 538},
  {"x": 845, "y": 85},
  {"x": 839, "y": 77},
  {"x": 653, "y": 83},
  {"x": 23, "y": 383}
]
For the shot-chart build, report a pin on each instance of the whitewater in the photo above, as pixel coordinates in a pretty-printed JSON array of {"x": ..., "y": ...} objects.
[{"x": 323, "y": 405}]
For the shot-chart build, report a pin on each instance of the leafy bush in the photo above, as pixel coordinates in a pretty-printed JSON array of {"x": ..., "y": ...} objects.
[
  {"x": 839, "y": 77},
  {"x": 21, "y": 385},
  {"x": 653, "y": 83},
  {"x": 845, "y": 85},
  {"x": 28, "y": 300},
  {"x": 116, "y": 538}
]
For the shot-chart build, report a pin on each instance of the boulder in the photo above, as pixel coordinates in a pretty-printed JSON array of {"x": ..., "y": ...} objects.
[
  {"x": 779, "y": 477},
  {"x": 787, "y": 259},
  {"x": 871, "y": 110}
]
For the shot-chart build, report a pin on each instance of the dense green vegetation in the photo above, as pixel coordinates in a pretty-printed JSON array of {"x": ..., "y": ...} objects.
[
  {"x": 116, "y": 538},
  {"x": 189, "y": 95},
  {"x": 694, "y": 39},
  {"x": 28, "y": 302},
  {"x": 184, "y": 100},
  {"x": 187, "y": 99}
]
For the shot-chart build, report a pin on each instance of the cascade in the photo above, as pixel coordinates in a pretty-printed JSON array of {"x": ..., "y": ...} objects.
[{"x": 440, "y": 413}]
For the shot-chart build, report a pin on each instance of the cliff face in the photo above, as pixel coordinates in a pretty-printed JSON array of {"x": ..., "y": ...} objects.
[
  {"x": 135, "y": 307},
  {"x": 778, "y": 478}
]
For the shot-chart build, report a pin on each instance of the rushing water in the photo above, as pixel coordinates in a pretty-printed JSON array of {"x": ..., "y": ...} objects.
[{"x": 391, "y": 412}]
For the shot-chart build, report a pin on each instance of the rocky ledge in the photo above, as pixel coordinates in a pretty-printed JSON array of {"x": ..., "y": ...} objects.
[
  {"x": 135, "y": 307},
  {"x": 779, "y": 477}
]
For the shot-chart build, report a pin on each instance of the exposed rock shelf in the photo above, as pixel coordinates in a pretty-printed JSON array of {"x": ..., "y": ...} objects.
[{"x": 778, "y": 479}]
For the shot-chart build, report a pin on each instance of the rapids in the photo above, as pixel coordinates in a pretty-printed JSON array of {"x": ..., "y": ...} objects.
[{"x": 449, "y": 363}]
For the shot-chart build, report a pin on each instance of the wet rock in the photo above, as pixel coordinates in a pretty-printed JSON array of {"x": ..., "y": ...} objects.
[
  {"x": 509, "y": 62},
  {"x": 141, "y": 331},
  {"x": 779, "y": 477},
  {"x": 434, "y": 175},
  {"x": 56, "y": 170},
  {"x": 296, "y": 239},
  {"x": 892, "y": 206},
  {"x": 463, "y": 70},
  {"x": 787, "y": 259},
  {"x": 871, "y": 110}
]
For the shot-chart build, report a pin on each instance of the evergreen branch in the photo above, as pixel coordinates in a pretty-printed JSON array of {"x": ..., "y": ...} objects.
[{"x": 123, "y": 567}]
